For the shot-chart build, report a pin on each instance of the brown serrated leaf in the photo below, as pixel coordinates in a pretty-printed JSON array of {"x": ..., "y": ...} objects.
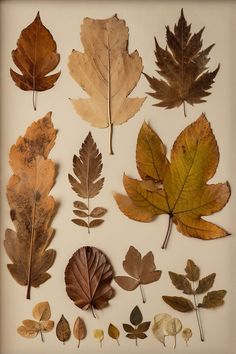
[
  {"x": 87, "y": 167},
  {"x": 192, "y": 271},
  {"x": 80, "y": 213},
  {"x": 98, "y": 212},
  {"x": 114, "y": 333},
  {"x": 139, "y": 328},
  {"x": 79, "y": 330},
  {"x": 183, "y": 194},
  {"x": 181, "y": 283},
  {"x": 183, "y": 65},
  {"x": 107, "y": 72},
  {"x": 141, "y": 270},
  {"x": 179, "y": 303},
  {"x": 63, "y": 331},
  {"x": 205, "y": 284},
  {"x": 213, "y": 299},
  {"x": 32, "y": 208},
  {"x": 88, "y": 276},
  {"x": 35, "y": 56}
]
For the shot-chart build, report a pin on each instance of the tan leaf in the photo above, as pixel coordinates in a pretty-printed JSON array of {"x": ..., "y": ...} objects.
[
  {"x": 35, "y": 56},
  {"x": 32, "y": 209},
  {"x": 159, "y": 327},
  {"x": 42, "y": 311},
  {"x": 98, "y": 212},
  {"x": 192, "y": 271},
  {"x": 31, "y": 325},
  {"x": 181, "y": 283},
  {"x": 187, "y": 334},
  {"x": 26, "y": 333},
  {"x": 63, "y": 331},
  {"x": 213, "y": 299},
  {"x": 205, "y": 284},
  {"x": 183, "y": 192},
  {"x": 179, "y": 303},
  {"x": 107, "y": 72},
  {"x": 79, "y": 330},
  {"x": 99, "y": 335},
  {"x": 114, "y": 332},
  {"x": 47, "y": 326},
  {"x": 88, "y": 276},
  {"x": 183, "y": 66}
]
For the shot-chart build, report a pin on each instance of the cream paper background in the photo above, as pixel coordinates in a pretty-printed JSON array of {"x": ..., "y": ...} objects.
[{"x": 145, "y": 20}]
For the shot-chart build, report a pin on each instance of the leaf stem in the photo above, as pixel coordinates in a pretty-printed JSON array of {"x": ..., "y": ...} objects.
[
  {"x": 93, "y": 311},
  {"x": 142, "y": 293},
  {"x": 185, "y": 113},
  {"x": 88, "y": 216},
  {"x": 118, "y": 342},
  {"x": 165, "y": 243},
  {"x": 41, "y": 335},
  {"x": 34, "y": 99},
  {"x": 136, "y": 341},
  {"x": 197, "y": 311},
  {"x": 100, "y": 343},
  {"x": 109, "y": 96},
  {"x": 78, "y": 344},
  {"x": 174, "y": 341}
]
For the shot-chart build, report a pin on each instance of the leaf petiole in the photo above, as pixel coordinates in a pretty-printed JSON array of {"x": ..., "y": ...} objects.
[
  {"x": 41, "y": 335},
  {"x": 165, "y": 243},
  {"x": 142, "y": 293},
  {"x": 197, "y": 311}
]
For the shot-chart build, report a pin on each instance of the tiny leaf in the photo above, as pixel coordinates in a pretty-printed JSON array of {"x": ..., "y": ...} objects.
[
  {"x": 205, "y": 284},
  {"x": 136, "y": 316},
  {"x": 187, "y": 334},
  {"x": 179, "y": 303},
  {"x": 114, "y": 332},
  {"x": 80, "y": 205},
  {"x": 63, "y": 331},
  {"x": 80, "y": 213},
  {"x": 213, "y": 299},
  {"x": 181, "y": 283},
  {"x": 80, "y": 222},
  {"x": 98, "y": 212},
  {"x": 99, "y": 335},
  {"x": 96, "y": 222}
]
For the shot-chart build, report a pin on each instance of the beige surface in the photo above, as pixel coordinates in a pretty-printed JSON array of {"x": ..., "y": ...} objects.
[{"x": 144, "y": 19}]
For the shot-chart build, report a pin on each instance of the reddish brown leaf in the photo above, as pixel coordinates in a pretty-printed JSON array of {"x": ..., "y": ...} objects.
[{"x": 96, "y": 222}]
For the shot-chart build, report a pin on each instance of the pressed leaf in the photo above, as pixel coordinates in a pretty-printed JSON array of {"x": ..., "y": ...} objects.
[
  {"x": 181, "y": 283},
  {"x": 63, "y": 331},
  {"x": 183, "y": 193},
  {"x": 136, "y": 316},
  {"x": 139, "y": 328},
  {"x": 128, "y": 328},
  {"x": 159, "y": 327},
  {"x": 99, "y": 335},
  {"x": 173, "y": 327},
  {"x": 87, "y": 168},
  {"x": 88, "y": 276},
  {"x": 183, "y": 65},
  {"x": 79, "y": 330},
  {"x": 187, "y": 334},
  {"x": 142, "y": 270},
  {"x": 107, "y": 72},
  {"x": 114, "y": 332},
  {"x": 46, "y": 326},
  {"x": 205, "y": 284},
  {"x": 192, "y": 271},
  {"x": 31, "y": 325},
  {"x": 98, "y": 212},
  {"x": 35, "y": 56},
  {"x": 42, "y": 311},
  {"x": 143, "y": 327},
  {"x": 26, "y": 333},
  {"x": 32, "y": 209},
  {"x": 179, "y": 303},
  {"x": 213, "y": 299}
]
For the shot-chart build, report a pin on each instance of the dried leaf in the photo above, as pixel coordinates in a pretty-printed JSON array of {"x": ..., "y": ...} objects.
[
  {"x": 107, "y": 72},
  {"x": 173, "y": 326},
  {"x": 187, "y": 334},
  {"x": 213, "y": 299},
  {"x": 88, "y": 276},
  {"x": 32, "y": 209},
  {"x": 79, "y": 330},
  {"x": 181, "y": 283},
  {"x": 30, "y": 328},
  {"x": 99, "y": 335},
  {"x": 98, "y": 212},
  {"x": 80, "y": 213},
  {"x": 183, "y": 66},
  {"x": 159, "y": 327},
  {"x": 192, "y": 271},
  {"x": 185, "y": 195},
  {"x": 63, "y": 331},
  {"x": 179, "y": 303},
  {"x": 205, "y": 284},
  {"x": 87, "y": 168},
  {"x": 139, "y": 328},
  {"x": 114, "y": 332},
  {"x": 141, "y": 270},
  {"x": 35, "y": 56}
]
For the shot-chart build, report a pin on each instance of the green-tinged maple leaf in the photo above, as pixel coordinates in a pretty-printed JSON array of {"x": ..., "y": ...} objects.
[
  {"x": 178, "y": 188},
  {"x": 182, "y": 65}
]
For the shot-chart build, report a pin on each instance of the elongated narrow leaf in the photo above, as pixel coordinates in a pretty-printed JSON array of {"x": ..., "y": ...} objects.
[
  {"x": 179, "y": 303},
  {"x": 32, "y": 209},
  {"x": 35, "y": 56},
  {"x": 107, "y": 72}
]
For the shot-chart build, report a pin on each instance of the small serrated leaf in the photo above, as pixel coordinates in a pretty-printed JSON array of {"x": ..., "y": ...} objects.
[
  {"x": 213, "y": 299},
  {"x": 179, "y": 303},
  {"x": 181, "y": 283},
  {"x": 136, "y": 316},
  {"x": 98, "y": 212},
  {"x": 205, "y": 283},
  {"x": 80, "y": 205},
  {"x": 80, "y": 213},
  {"x": 80, "y": 222}
]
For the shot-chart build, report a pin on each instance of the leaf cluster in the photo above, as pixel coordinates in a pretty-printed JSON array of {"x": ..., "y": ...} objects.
[{"x": 137, "y": 331}]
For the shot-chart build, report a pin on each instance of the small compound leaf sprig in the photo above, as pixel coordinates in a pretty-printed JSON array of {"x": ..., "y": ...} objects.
[{"x": 137, "y": 331}]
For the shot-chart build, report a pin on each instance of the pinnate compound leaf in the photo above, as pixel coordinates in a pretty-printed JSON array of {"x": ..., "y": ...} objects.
[
  {"x": 35, "y": 56},
  {"x": 179, "y": 303},
  {"x": 184, "y": 193},
  {"x": 87, "y": 168},
  {"x": 205, "y": 284},
  {"x": 79, "y": 329},
  {"x": 88, "y": 276},
  {"x": 213, "y": 299},
  {"x": 192, "y": 271},
  {"x": 32, "y": 209},
  {"x": 183, "y": 65},
  {"x": 181, "y": 283},
  {"x": 107, "y": 72},
  {"x": 63, "y": 331},
  {"x": 139, "y": 328}
]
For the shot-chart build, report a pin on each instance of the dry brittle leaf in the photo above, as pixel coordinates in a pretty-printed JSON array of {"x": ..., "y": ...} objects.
[
  {"x": 88, "y": 276},
  {"x": 107, "y": 72},
  {"x": 114, "y": 333},
  {"x": 35, "y": 56},
  {"x": 87, "y": 168},
  {"x": 159, "y": 327},
  {"x": 183, "y": 66},
  {"x": 187, "y": 334},
  {"x": 141, "y": 271},
  {"x": 173, "y": 327},
  {"x": 79, "y": 330},
  {"x": 137, "y": 330},
  {"x": 32, "y": 209},
  {"x": 185, "y": 195},
  {"x": 63, "y": 331},
  {"x": 42, "y": 313},
  {"x": 211, "y": 300},
  {"x": 99, "y": 335}
]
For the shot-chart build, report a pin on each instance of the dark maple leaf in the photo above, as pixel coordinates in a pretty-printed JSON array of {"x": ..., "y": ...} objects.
[{"x": 182, "y": 64}]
